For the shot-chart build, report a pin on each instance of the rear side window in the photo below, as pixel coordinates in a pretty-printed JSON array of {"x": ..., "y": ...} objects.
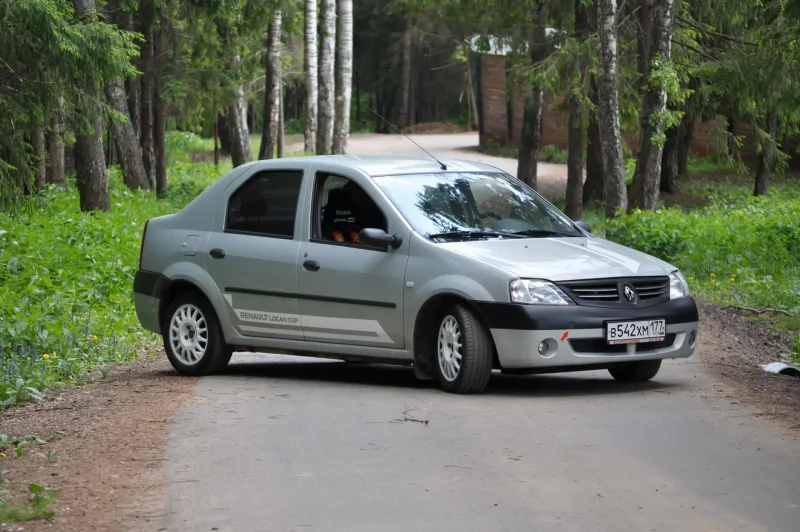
[{"x": 266, "y": 204}]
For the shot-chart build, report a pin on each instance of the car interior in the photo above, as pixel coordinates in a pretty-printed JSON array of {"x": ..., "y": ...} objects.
[{"x": 345, "y": 209}]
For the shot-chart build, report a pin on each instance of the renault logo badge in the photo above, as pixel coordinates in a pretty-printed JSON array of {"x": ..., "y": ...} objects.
[{"x": 630, "y": 294}]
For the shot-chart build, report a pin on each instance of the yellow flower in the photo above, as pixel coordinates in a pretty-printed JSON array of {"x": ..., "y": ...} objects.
[
  {"x": 713, "y": 281},
  {"x": 712, "y": 275},
  {"x": 2, "y": 455},
  {"x": 133, "y": 308},
  {"x": 691, "y": 278},
  {"x": 94, "y": 338},
  {"x": 785, "y": 291},
  {"x": 771, "y": 280},
  {"x": 754, "y": 281},
  {"x": 54, "y": 354},
  {"x": 46, "y": 355}
]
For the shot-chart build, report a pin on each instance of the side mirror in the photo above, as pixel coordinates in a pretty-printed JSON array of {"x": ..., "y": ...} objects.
[
  {"x": 583, "y": 225},
  {"x": 379, "y": 238}
]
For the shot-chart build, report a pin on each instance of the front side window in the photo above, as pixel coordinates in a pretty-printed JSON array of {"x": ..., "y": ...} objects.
[
  {"x": 446, "y": 206},
  {"x": 266, "y": 204},
  {"x": 343, "y": 209}
]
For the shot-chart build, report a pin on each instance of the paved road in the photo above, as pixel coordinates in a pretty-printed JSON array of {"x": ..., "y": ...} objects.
[
  {"x": 552, "y": 177},
  {"x": 284, "y": 444}
]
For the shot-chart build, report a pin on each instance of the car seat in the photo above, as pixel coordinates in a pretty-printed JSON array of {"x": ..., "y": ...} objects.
[{"x": 340, "y": 218}]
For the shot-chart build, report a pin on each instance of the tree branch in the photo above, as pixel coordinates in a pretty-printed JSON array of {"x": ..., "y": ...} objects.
[
  {"x": 694, "y": 49},
  {"x": 759, "y": 310},
  {"x": 687, "y": 24}
]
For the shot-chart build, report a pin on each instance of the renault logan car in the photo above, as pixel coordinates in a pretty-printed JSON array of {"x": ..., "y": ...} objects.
[{"x": 455, "y": 268}]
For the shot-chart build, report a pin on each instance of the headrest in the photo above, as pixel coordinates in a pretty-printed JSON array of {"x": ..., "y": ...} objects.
[
  {"x": 340, "y": 207},
  {"x": 255, "y": 204}
]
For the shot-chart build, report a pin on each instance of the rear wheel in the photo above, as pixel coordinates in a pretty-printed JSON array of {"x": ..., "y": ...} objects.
[
  {"x": 636, "y": 371},
  {"x": 464, "y": 351},
  {"x": 193, "y": 338}
]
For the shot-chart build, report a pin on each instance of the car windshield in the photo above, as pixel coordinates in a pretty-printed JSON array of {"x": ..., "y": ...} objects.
[{"x": 450, "y": 206}]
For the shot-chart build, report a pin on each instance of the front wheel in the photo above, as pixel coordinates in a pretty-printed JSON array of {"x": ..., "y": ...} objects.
[
  {"x": 464, "y": 351},
  {"x": 641, "y": 371},
  {"x": 193, "y": 338}
]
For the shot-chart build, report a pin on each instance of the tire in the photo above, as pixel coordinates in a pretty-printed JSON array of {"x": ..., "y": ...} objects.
[
  {"x": 636, "y": 371},
  {"x": 476, "y": 351},
  {"x": 195, "y": 311}
]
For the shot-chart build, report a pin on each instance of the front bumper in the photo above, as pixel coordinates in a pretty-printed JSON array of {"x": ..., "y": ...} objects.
[{"x": 575, "y": 335}]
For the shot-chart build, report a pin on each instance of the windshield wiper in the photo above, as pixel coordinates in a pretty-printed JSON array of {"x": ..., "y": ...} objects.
[
  {"x": 542, "y": 233},
  {"x": 473, "y": 234}
]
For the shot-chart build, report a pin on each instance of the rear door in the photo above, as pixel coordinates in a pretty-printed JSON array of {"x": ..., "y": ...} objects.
[
  {"x": 252, "y": 256},
  {"x": 350, "y": 293}
]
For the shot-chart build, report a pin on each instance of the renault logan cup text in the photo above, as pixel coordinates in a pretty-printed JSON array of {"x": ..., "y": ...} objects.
[{"x": 456, "y": 270}]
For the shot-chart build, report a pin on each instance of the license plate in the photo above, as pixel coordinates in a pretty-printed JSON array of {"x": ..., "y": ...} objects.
[{"x": 635, "y": 332}]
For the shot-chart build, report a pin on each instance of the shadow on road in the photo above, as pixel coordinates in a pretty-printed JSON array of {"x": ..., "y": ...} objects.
[{"x": 553, "y": 385}]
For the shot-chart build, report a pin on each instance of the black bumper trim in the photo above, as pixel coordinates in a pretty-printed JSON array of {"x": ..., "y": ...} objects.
[
  {"x": 548, "y": 317},
  {"x": 150, "y": 283}
]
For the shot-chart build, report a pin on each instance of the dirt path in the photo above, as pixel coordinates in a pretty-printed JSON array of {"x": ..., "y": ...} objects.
[
  {"x": 552, "y": 177},
  {"x": 713, "y": 441}
]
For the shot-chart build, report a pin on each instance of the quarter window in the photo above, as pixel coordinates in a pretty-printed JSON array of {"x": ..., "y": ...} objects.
[{"x": 266, "y": 204}]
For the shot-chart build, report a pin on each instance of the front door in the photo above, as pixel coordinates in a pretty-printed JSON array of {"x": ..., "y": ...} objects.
[
  {"x": 349, "y": 293},
  {"x": 253, "y": 260}
]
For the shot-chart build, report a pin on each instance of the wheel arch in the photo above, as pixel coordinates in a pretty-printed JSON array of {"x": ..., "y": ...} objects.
[{"x": 426, "y": 323}]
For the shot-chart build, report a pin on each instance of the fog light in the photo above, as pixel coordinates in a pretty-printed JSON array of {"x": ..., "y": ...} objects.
[
  {"x": 543, "y": 348},
  {"x": 692, "y": 338}
]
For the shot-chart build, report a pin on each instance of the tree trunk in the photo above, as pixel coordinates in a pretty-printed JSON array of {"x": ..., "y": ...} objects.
[
  {"x": 669, "y": 160},
  {"x": 311, "y": 77},
  {"x": 594, "y": 186},
  {"x": 224, "y": 131},
  {"x": 40, "y": 150},
  {"x": 90, "y": 165},
  {"x": 130, "y": 152},
  {"x": 272, "y": 92},
  {"x": 766, "y": 159},
  {"x": 532, "y": 116},
  {"x": 147, "y": 11},
  {"x": 405, "y": 83},
  {"x": 241, "y": 152},
  {"x": 327, "y": 83},
  {"x": 644, "y": 40},
  {"x": 344, "y": 75},
  {"x": 159, "y": 117},
  {"x": 685, "y": 144},
  {"x": 615, "y": 193},
  {"x": 654, "y": 104},
  {"x": 55, "y": 147},
  {"x": 574, "y": 200},
  {"x": 215, "y": 133},
  {"x": 281, "y": 128},
  {"x": 133, "y": 89}
]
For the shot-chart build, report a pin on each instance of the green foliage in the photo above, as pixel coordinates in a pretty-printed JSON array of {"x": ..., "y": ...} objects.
[
  {"x": 66, "y": 277},
  {"x": 37, "y": 507},
  {"x": 49, "y": 57},
  {"x": 739, "y": 250}
]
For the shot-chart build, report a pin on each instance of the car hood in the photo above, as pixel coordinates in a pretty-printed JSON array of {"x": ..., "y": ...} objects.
[{"x": 562, "y": 259}]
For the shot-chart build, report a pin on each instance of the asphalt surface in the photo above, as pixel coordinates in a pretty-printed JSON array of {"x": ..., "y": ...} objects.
[
  {"x": 291, "y": 444},
  {"x": 284, "y": 444}
]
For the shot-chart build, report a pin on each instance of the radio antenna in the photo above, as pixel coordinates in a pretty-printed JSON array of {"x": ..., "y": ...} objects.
[{"x": 441, "y": 164}]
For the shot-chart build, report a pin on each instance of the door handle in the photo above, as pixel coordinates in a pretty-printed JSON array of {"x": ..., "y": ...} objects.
[
  {"x": 311, "y": 266},
  {"x": 217, "y": 253}
]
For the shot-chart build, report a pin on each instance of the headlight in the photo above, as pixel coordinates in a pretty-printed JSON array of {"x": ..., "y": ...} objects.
[
  {"x": 538, "y": 293},
  {"x": 677, "y": 285}
]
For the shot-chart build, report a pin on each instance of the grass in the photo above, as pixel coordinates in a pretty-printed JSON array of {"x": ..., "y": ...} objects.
[
  {"x": 66, "y": 280},
  {"x": 734, "y": 249},
  {"x": 547, "y": 154}
]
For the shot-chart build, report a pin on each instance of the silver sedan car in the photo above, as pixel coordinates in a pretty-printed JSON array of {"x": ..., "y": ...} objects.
[{"x": 452, "y": 267}]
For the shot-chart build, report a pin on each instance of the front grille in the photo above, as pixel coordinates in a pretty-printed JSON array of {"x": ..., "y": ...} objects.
[
  {"x": 605, "y": 291},
  {"x": 609, "y": 292},
  {"x": 599, "y": 345},
  {"x": 651, "y": 288}
]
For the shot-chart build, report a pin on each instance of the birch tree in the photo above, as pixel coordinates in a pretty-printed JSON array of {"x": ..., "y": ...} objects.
[
  {"x": 311, "y": 77},
  {"x": 344, "y": 75},
  {"x": 272, "y": 91},
  {"x": 327, "y": 82},
  {"x": 615, "y": 192},
  {"x": 654, "y": 104}
]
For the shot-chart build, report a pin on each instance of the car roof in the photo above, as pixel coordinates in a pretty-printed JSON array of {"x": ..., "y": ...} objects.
[{"x": 384, "y": 165}]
